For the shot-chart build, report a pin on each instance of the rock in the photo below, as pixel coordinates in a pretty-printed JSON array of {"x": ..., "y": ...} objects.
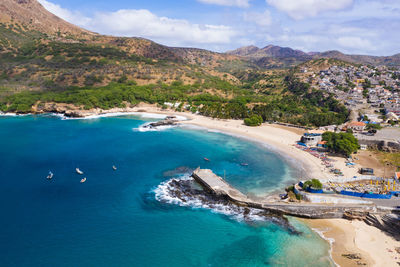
[
  {"x": 73, "y": 114},
  {"x": 166, "y": 122},
  {"x": 352, "y": 256}
]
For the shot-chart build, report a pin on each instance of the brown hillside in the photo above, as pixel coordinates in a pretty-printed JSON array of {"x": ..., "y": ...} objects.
[{"x": 34, "y": 16}]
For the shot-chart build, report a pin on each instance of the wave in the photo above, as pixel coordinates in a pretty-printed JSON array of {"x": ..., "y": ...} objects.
[
  {"x": 119, "y": 114},
  {"x": 143, "y": 128},
  {"x": 321, "y": 233},
  {"x": 185, "y": 192},
  {"x": 9, "y": 114}
]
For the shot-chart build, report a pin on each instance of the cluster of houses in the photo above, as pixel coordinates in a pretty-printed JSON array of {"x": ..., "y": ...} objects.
[{"x": 365, "y": 86}]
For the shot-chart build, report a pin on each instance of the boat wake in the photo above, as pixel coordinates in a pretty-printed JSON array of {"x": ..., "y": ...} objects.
[{"x": 186, "y": 192}]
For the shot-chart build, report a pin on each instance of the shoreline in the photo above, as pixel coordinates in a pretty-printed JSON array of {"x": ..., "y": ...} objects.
[
  {"x": 356, "y": 243},
  {"x": 345, "y": 237}
]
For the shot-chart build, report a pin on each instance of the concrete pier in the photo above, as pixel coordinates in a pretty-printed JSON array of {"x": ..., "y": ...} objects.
[
  {"x": 218, "y": 186},
  {"x": 221, "y": 188}
]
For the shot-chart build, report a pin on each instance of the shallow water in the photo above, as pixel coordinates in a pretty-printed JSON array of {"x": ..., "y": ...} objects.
[{"x": 115, "y": 217}]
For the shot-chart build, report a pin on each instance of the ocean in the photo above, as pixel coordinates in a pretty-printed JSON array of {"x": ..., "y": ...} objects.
[{"x": 137, "y": 215}]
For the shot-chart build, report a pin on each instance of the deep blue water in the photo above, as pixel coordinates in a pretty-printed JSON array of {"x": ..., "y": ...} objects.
[{"x": 114, "y": 219}]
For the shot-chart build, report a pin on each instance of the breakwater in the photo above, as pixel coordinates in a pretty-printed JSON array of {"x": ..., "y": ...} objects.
[{"x": 218, "y": 186}]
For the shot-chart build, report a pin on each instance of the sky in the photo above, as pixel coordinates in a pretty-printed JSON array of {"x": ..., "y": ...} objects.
[{"x": 351, "y": 26}]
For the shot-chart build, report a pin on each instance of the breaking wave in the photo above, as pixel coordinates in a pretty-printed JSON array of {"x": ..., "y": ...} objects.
[
  {"x": 143, "y": 115},
  {"x": 185, "y": 192},
  {"x": 143, "y": 128}
]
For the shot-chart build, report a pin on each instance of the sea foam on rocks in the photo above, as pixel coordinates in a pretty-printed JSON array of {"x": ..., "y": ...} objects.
[{"x": 186, "y": 192}]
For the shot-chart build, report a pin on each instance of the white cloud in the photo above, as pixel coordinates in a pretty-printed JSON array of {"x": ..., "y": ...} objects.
[
  {"x": 299, "y": 9},
  {"x": 238, "y": 3},
  {"x": 143, "y": 23},
  {"x": 261, "y": 19},
  {"x": 70, "y": 16},
  {"x": 351, "y": 42},
  {"x": 146, "y": 24}
]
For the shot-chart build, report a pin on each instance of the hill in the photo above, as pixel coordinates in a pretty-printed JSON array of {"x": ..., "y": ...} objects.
[
  {"x": 288, "y": 57},
  {"x": 268, "y": 51},
  {"x": 272, "y": 56},
  {"x": 33, "y": 16},
  {"x": 47, "y": 63}
]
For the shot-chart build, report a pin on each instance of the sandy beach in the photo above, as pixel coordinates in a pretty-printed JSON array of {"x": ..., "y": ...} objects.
[{"x": 356, "y": 243}]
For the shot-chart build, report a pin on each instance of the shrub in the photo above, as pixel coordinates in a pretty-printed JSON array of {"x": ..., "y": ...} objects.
[
  {"x": 314, "y": 183},
  {"x": 254, "y": 120}
]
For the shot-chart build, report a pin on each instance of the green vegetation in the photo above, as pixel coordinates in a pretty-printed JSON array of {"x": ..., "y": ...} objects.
[
  {"x": 314, "y": 184},
  {"x": 254, "y": 120},
  {"x": 374, "y": 126},
  {"x": 104, "y": 75},
  {"x": 391, "y": 158},
  {"x": 301, "y": 105},
  {"x": 341, "y": 143},
  {"x": 291, "y": 102},
  {"x": 292, "y": 195}
]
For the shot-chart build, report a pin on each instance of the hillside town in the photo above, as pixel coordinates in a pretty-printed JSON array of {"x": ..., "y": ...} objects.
[
  {"x": 371, "y": 93},
  {"x": 364, "y": 87}
]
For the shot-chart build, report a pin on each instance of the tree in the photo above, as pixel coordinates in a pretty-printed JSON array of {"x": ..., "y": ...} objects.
[
  {"x": 366, "y": 84},
  {"x": 314, "y": 183},
  {"x": 341, "y": 143},
  {"x": 254, "y": 120}
]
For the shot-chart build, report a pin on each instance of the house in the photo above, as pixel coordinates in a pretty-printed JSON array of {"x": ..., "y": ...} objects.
[
  {"x": 392, "y": 117},
  {"x": 322, "y": 144},
  {"x": 357, "y": 126},
  {"x": 311, "y": 139}
]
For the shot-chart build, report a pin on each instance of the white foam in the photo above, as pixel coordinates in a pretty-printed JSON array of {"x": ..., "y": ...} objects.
[
  {"x": 120, "y": 114},
  {"x": 9, "y": 114},
  {"x": 321, "y": 233},
  {"x": 163, "y": 194},
  {"x": 142, "y": 128}
]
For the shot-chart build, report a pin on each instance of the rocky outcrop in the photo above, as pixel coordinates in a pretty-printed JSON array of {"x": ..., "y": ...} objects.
[
  {"x": 169, "y": 121},
  {"x": 73, "y": 114},
  {"x": 389, "y": 223}
]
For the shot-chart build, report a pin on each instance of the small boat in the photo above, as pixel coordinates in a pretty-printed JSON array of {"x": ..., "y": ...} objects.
[
  {"x": 206, "y": 159},
  {"x": 50, "y": 176},
  {"x": 78, "y": 171},
  {"x": 83, "y": 180},
  {"x": 114, "y": 168},
  {"x": 244, "y": 164}
]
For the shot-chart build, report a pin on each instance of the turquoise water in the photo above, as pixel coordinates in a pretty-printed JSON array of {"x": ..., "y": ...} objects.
[{"x": 114, "y": 218}]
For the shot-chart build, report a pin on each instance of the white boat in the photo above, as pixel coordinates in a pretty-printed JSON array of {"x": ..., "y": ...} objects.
[
  {"x": 114, "y": 168},
  {"x": 78, "y": 171},
  {"x": 83, "y": 180},
  {"x": 50, "y": 176}
]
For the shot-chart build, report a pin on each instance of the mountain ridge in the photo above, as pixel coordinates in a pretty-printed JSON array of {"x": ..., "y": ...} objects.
[{"x": 257, "y": 54}]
